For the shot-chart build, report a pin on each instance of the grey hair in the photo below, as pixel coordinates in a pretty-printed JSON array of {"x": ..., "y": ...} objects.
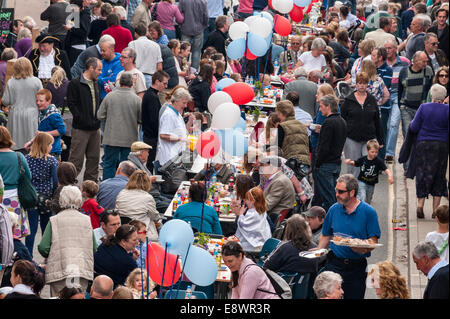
[
  {"x": 107, "y": 39},
  {"x": 416, "y": 56},
  {"x": 180, "y": 94},
  {"x": 383, "y": 6},
  {"x": 126, "y": 79},
  {"x": 428, "y": 36},
  {"x": 127, "y": 167},
  {"x": 426, "y": 20},
  {"x": 438, "y": 92},
  {"x": 426, "y": 248},
  {"x": 330, "y": 100},
  {"x": 351, "y": 183},
  {"x": 70, "y": 197},
  {"x": 315, "y": 74},
  {"x": 131, "y": 53},
  {"x": 121, "y": 12},
  {"x": 301, "y": 71},
  {"x": 24, "y": 33},
  {"x": 318, "y": 43},
  {"x": 325, "y": 283},
  {"x": 394, "y": 43}
]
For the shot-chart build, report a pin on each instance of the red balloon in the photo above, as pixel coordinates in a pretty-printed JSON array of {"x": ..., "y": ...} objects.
[
  {"x": 240, "y": 92},
  {"x": 296, "y": 14},
  {"x": 208, "y": 145},
  {"x": 155, "y": 262},
  {"x": 250, "y": 55},
  {"x": 282, "y": 26},
  {"x": 270, "y": 4},
  {"x": 309, "y": 8}
]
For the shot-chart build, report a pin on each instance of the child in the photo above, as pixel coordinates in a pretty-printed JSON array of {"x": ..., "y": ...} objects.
[
  {"x": 142, "y": 236},
  {"x": 90, "y": 207},
  {"x": 4, "y": 111},
  {"x": 371, "y": 166},
  {"x": 137, "y": 282},
  {"x": 440, "y": 237}
]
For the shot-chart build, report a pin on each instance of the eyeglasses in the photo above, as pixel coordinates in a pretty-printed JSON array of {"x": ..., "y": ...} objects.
[
  {"x": 443, "y": 75},
  {"x": 435, "y": 44},
  {"x": 340, "y": 191},
  {"x": 142, "y": 232},
  {"x": 296, "y": 43}
]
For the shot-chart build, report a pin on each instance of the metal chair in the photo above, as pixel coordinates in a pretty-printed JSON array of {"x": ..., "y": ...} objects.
[
  {"x": 179, "y": 294},
  {"x": 267, "y": 248}
]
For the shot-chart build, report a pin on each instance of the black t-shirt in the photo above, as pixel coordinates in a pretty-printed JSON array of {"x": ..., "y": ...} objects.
[{"x": 370, "y": 169}]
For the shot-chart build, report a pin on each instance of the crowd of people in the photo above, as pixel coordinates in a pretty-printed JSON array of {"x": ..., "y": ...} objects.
[{"x": 103, "y": 104}]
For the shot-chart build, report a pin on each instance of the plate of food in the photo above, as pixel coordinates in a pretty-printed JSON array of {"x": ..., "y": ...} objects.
[
  {"x": 313, "y": 254},
  {"x": 354, "y": 242},
  {"x": 159, "y": 179}
]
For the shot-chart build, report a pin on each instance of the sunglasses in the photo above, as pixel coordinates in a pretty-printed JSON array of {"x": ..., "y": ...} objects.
[
  {"x": 340, "y": 191},
  {"x": 142, "y": 232},
  {"x": 443, "y": 75}
]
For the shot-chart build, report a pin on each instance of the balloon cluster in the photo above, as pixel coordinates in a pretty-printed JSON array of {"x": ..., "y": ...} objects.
[
  {"x": 227, "y": 124},
  {"x": 164, "y": 263}
]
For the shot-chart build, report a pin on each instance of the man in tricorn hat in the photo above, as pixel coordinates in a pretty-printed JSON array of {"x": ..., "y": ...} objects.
[{"x": 46, "y": 57}]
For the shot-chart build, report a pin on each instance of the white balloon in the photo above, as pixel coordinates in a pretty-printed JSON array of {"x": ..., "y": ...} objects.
[
  {"x": 283, "y": 6},
  {"x": 225, "y": 116},
  {"x": 250, "y": 20},
  {"x": 218, "y": 98},
  {"x": 261, "y": 26},
  {"x": 238, "y": 30}
]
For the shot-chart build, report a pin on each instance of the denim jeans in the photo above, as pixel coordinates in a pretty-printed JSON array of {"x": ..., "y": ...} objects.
[
  {"x": 210, "y": 28},
  {"x": 325, "y": 177},
  {"x": 171, "y": 34},
  {"x": 112, "y": 158},
  {"x": 148, "y": 80},
  {"x": 385, "y": 113},
  {"x": 354, "y": 150},
  {"x": 196, "y": 47},
  {"x": 365, "y": 192},
  {"x": 35, "y": 218},
  {"x": 394, "y": 123}
]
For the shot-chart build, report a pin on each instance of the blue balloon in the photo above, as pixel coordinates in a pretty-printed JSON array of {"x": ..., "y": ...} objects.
[
  {"x": 236, "y": 49},
  {"x": 241, "y": 125},
  {"x": 302, "y": 3},
  {"x": 200, "y": 267},
  {"x": 224, "y": 83},
  {"x": 257, "y": 44},
  {"x": 269, "y": 39},
  {"x": 178, "y": 235},
  {"x": 233, "y": 141}
]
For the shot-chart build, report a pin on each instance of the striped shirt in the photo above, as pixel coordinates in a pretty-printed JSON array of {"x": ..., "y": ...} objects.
[{"x": 413, "y": 86}]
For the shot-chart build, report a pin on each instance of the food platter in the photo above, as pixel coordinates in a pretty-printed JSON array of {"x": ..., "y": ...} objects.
[
  {"x": 354, "y": 242},
  {"x": 313, "y": 254}
]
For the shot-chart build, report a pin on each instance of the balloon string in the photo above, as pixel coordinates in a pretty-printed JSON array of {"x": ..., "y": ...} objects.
[
  {"x": 244, "y": 65},
  {"x": 148, "y": 272},
  {"x": 184, "y": 264},
  {"x": 173, "y": 277},
  {"x": 164, "y": 270}
]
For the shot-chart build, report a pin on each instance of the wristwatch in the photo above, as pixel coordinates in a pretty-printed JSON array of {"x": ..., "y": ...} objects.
[{"x": 301, "y": 193}]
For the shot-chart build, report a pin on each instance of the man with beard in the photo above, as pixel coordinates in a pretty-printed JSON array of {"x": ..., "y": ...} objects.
[{"x": 352, "y": 218}]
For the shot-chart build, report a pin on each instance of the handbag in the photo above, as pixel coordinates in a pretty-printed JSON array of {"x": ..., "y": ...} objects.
[{"x": 25, "y": 191}]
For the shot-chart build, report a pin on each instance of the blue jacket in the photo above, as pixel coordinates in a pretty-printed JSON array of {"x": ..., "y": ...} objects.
[
  {"x": 110, "y": 70},
  {"x": 50, "y": 120},
  {"x": 192, "y": 212}
]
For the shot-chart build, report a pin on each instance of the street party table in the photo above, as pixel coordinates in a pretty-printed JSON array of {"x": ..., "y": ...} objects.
[{"x": 268, "y": 101}]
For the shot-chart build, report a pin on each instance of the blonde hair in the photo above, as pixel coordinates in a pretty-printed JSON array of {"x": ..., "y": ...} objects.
[
  {"x": 370, "y": 68},
  {"x": 58, "y": 76},
  {"x": 286, "y": 108},
  {"x": 139, "y": 180},
  {"x": 392, "y": 282},
  {"x": 122, "y": 292},
  {"x": 39, "y": 148},
  {"x": 22, "y": 68},
  {"x": 367, "y": 46},
  {"x": 327, "y": 89},
  {"x": 373, "y": 144}
]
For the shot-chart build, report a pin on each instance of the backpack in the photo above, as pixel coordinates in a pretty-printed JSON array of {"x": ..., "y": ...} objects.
[
  {"x": 281, "y": 287},
  {"x": 153, "y": 12}
]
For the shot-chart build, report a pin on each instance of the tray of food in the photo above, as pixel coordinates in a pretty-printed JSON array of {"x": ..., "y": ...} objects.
[
  {"x": 313, "y": 254},
  {"x": 354, "y": 242}
]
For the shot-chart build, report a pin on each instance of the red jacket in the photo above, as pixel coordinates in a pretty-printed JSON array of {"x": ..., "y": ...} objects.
[
  {"x": 93, "y": 210},
  {"x": 121, "y": 35}
]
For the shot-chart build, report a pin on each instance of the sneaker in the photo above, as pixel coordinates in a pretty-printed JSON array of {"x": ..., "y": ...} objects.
[
  {"x": 389, "y": 159},
  {"x": 420, "y": 213}
]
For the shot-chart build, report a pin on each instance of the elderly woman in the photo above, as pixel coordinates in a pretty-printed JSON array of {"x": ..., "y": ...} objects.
[
  {"x": 173, "y": 130},
  {"x": 113, "y": 257},
  {"x": 201, "y": 216},
  {"x": 297, "y": 238},
  {"x": 248, "y": 280},
  {"x": 293, "y": 136},
  {"x": 431, "y": 154},
  {"x": 24, "y": 43},
  {"x": 156, "y": 33},
  {"x": 360, "y": 111},
  {"x": 135, "y": 202},
  {"x": 20, "y": 93},
  {"x": 328, "y": 286},
  {"x": 388, "y": 282},
  {"x": 68, "y": 244},
  {"x": 314, "y": 59}
]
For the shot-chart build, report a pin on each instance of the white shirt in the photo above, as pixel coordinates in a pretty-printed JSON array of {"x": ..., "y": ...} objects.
[
  {"x": 253, "y": 230},
  {"x": 311, "y": 63},
  {"x": 438, "y": 239},
  {"x": 138, "y": 80},
  {"x": 172, "y": 123},
  {"x": 181, "y": 80},
  {"x": 148, "y": 54},
  {"x": 357, "y": 66},
  {"x": 46, "y": 64}
]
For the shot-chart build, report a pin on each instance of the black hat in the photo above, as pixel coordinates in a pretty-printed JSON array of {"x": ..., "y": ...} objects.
[
  {"x": 45, "y": 38},
  {"x": 315, "y": 211}
]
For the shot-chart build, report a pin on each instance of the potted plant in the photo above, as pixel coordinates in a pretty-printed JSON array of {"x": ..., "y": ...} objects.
[
  {"x": 256, "y": 113},
  {"x": 203, "y": 240}
]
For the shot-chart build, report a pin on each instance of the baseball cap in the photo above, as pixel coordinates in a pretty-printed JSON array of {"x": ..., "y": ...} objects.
[
  {"x": 315, "y": 211},
  {"x": 139, "y": 146}
]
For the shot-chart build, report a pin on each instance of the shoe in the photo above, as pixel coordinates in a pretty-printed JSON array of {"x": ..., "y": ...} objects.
[
  {"x": 389, "y": 159},
  {"x": 420, "y": 213}
]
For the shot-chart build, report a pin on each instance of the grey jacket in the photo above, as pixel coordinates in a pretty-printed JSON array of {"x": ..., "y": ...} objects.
[
  {"x": 154, "y": 191},
  {"x": 307, "y": 91},
  {"x": 121, "y": 109},
  {"x": 196, "y": 16}
]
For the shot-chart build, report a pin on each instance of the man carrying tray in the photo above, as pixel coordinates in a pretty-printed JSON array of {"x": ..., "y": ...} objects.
[{"x": 349, "y": 217}]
